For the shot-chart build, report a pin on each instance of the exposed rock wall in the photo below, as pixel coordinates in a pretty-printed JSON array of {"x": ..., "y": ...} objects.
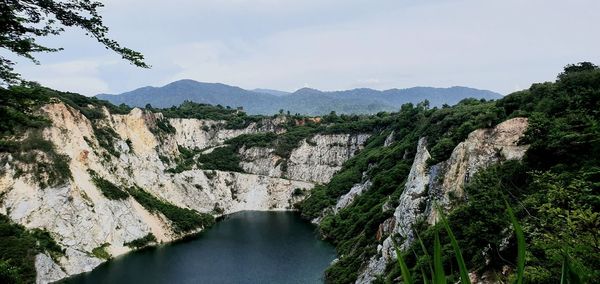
[
  {"x": 80, "y": 218},
  {"x": 319, "y": 158},
  {"x": 442, "y": 183},
  {"x": 315, "y": 160}
]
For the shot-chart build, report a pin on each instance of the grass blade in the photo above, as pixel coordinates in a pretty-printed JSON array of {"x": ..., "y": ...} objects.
[
  {"x": 520, "y": 244},
  {"x": 569, "y": 275},
  {"x": 426, "y": 255},
  {"x": 564, "y": 272},
  {"x": 438, "y": 267},
  {"x": 405, "y": 272},
  {"x": 464, "y": 273}
]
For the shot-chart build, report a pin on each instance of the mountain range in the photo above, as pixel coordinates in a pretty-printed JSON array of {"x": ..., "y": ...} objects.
[{"x": 304, "y": 101}]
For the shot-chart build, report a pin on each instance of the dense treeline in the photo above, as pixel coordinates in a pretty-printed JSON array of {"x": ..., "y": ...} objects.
[
  {"x": 18, "y": 248},
  {"x": 554, "y": 190}
]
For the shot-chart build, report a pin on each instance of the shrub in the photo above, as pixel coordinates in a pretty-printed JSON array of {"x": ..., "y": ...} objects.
[
  {"x": 100, "y": 252},
  {"x": 108, "y": 189},
  {"x": 223, "y": 158},
  {"x": 18, "y": 248},
  {"x": 142, "y": 242},
  {"x": 184, "y": 220}
]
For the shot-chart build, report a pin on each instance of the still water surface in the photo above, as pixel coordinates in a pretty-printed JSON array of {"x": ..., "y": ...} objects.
[{"x": 245, "y": 247}]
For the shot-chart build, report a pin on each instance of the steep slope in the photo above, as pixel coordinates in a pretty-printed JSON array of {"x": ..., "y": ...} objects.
[
  {"x": 443, "y": 184},
  {"x": 304, "y": 101},
  {"x": 127, "y": 179},
  {"x": 530, "y": 150}
]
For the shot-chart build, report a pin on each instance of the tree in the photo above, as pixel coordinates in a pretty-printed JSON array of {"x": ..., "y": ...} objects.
[{"x": 22, "y": 22}]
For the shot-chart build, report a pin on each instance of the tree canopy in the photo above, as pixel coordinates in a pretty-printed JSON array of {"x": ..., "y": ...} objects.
[{"x": 22, "y": 22}]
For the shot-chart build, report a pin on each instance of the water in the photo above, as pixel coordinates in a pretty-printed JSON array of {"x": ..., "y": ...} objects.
[{"x": 245, "y": 247}]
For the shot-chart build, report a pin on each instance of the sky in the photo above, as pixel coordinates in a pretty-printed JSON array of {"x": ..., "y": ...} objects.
[{"x": 499, "y": 45}]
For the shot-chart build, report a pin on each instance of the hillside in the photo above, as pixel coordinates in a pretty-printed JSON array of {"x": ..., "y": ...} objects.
[
  {"x": 83, "y": 180},
  {"x": 303, "y": 101}
]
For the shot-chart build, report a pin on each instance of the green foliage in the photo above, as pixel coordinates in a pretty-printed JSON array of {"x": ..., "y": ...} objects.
[
  {"x": 24, "y": 22},
  {"x": 438, "y": 267},
  {"x": 464, "y": 272},
  {"x": 446, "y": 127},
  {"x": 402, "y": 264},
  {"x": 108, "y": 189},
  {"x": 223, "y": 158},
  {"x": 38, "y": 157},
  {"x": 162, "y": 126},
  {"x": 520, "y": 244},
  {"x": 17, "y": 107},
  {"x": 554, "y": 190},
  {"x": 184, "y": 220},
  {"x": 253, "y": 140},
  {"x": 107, "y": 137},
  {"x": 18, "y": 247},
  {"x": 100, "y": 252},
  {"x": 184, "y": 162},
  {"x": 142, "y": 242},
  {"x": 234, "y": 119}
]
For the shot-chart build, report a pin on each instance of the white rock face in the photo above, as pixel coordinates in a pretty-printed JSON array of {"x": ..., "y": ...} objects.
[
  {"x": 482, "y": 148},
  {"x": 349, "y": 197},
  {"x": 389, "y": 140},
  {"x": 47, "y": 270},
  {"x": 201, "y": 134},
  {"x": 318, "y": 159},
  {"x": 261, "y": 161},
  {"x": 80, "y": 218}
]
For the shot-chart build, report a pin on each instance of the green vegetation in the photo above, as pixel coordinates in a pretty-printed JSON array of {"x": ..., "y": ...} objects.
[
  {"x": 438, "y": 275},
  {"x": 18, "y": 247},
  {"x": 184, "y": 220},
  {"x": 23, "y": 23},
  {"x": 100, "y": 252},
  {"x": 21, "y": 124},
  {"x": 142, "y": 242},
  {"x": 37, "y": 156},
  {"x": 184, "y": 162},
  {"x": 108, "y": 189},
  {"x": 163, "y": 126},
  {"x": 234, "y": 119},
  {"x": 554, "y": 190},
  {"x": 222, "y": 158},
  {"x": 107, "y": 137}
]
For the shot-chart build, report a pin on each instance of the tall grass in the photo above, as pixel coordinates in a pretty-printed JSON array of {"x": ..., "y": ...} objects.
[
  {"x": 438, "y": 274},
  {"x": 520, "y": 244}
]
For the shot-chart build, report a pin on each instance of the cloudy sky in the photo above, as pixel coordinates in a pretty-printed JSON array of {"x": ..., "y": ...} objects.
[{"x": 500, "y": 45}]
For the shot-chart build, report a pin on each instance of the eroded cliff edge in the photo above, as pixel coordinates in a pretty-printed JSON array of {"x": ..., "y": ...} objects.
[{"x": 442, "y": 185}]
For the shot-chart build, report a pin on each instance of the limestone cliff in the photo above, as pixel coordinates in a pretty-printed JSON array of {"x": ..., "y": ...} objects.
[
  {"x": 80, "y": 218},
  {"x": 442, "y": 184},
  {"x": 316, "y": 160}
]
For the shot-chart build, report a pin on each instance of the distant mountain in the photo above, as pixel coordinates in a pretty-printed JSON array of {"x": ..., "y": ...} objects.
[
  {"x": 271, "y": 92},
  {"x": 305, "y": 100}
]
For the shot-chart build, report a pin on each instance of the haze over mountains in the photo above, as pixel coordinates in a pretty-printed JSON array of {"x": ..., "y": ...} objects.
[{"x": 304, "y": 101}]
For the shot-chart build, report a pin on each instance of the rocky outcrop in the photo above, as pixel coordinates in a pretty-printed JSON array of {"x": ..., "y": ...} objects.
[
  {"x": 80, "y": 218},
  {"x": 320, "y": 157},
  {"x": 202, "y": 133},
  {"x": 261, "y": 161},
  {"x": 443, "y": 184},
  {"x": 315, "y": 160},
  {"x": 356, "y": 190}
]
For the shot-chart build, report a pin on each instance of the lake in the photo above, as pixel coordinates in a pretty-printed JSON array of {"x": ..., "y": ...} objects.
[{"x": 245, "y": 247}]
